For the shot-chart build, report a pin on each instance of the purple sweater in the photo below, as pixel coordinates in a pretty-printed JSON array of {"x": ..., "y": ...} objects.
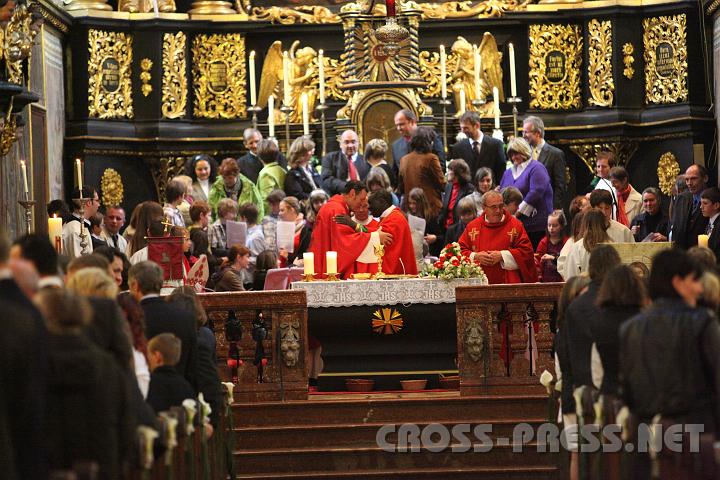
[{"x": 534, "y": 184}]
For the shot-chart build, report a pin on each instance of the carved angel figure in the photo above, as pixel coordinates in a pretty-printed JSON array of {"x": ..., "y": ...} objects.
[
  {"x": 463, "y": 78},
  {"x": 303, "y": 79}
]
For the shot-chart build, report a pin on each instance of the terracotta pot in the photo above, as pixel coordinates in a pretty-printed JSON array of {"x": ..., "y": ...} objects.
[
  {"x": 359, "y": 385},
  {"x": 413, "y": 384}
]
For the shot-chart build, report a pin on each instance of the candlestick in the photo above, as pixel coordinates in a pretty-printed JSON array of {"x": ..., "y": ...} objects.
[
  {"x": 305, "y": 114},
  {"x": 271, "y": 116},
  {"x": 478, "y": 68},
  {"x": 443, "y": 73},
  {"x": 496, "y": 107},
  {"x": 513, "y": 86},
  {"x": 390, "y": 7},
  {"x": 331, "y": 262},
  {"x": 514, "y": 101},
  {"x": 286, "y": 109},
  {"x": 23, "y": 168},
  {"x": 55, "y": 232},
  {"x": 254, "y": 110},
  {"x": 445, "y": 102},
  {"x": 78, "y": 168},
  {"x": 321, "y": 70},
  {"x": 28, "y": 206},
  {"x": 461, "y": 108},
  {"x": 322, "y": 107},
  {"x": 286, "y": 79},
  {"x": 253, "y": 95},
  {"x": 703, "y": 240}
]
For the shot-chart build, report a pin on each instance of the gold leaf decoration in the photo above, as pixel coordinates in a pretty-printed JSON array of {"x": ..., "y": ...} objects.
[
  {"x": 628, "y": 60},
  {"x": 109, "y": 68},
  {"x": 666, "y": 65},
  {"x": 219, "y": 77},
  {"x": 17, "y": 40},
  {"x": 112, "y": 188},
  {"x": 174, "y": 81},
  {"x": 145, "y": 76},
  {"x": 622, "y": 151},
  {"x": 291, "y": 16},
  {"x": 386, "y": 321},
  {"x": 555, "y": 62},
  {"x": 668, "y": 169},
  {"x": 430, "y": 72},
  {"x": 334, "y": 78},
  {"x": 600, "y": 74}
]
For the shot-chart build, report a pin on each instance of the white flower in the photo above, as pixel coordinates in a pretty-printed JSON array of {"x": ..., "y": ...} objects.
[
  {"x": 190, "y": 411},
  {"x": 229, "y": 392},
  {"x": 147, "y": 437}
]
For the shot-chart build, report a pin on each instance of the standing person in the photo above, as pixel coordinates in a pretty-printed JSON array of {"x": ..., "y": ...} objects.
[
  {"x": 217, "y": 232},
  {"x": 457, "y": 188},
  {"x": 551, "y": 157},
  {"x": 478, "y": 149},
  {"x": 174, "y": 195},
  {"x": 377, "y": 179},
  {"x": 628, "y": 197},
  {"x": 255, "y": 240},
  {"x": 604, "y": 162},
  {"x": 548, "y": 250},
  {"x": 269, "y": 221},
  {"x": 136, "y": 322},
  {"x": 301, "y": 179},
  {"x": 112, "y": 224},
  {"x": 652, "y": 224},
  {"x": 290, "y": 212},
  {"x": 234, "y": 185},
  {"x": 467, "y": 213},
  {"x": 421, "y": 168},
  {"x": 406, "y": 124},
  {"x": 710, "y": 208},
  {"x": 602, "y": 200},
  {"x": 416, "y": 204},
  {"x": 344, "y": 165},
  {"x": 687, "y": 220},
  {"x": 375, "y": 153},
  {"x": 202, "y": 169},
  {"x": 531, "y": 178},
  {"x": 483, "y": 182},
  {"x": 594, "y": 233},
  {"x": 317, "y": 199},
  {"x": 72, "y": 230},
  {"x": 272, "y": 176},
  {"x": 250, "y": 163},
  {"x": 167, "y": 387}
]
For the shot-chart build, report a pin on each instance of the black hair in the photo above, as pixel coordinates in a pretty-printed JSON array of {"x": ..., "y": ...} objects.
[
  {"x": 667, "y": 265},
  {"x": 602, "y": 259},
  {"x": 712, "y": 194},
  {"x": 38, "y": 250},
  {"x": 354, "y": 186},
  {"x": 190, "y": 166}
]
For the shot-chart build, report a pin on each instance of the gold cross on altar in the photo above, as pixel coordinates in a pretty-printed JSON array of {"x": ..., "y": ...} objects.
[
  {"x": 473, "y": 234},
  {"x": 513, "y": 234}
]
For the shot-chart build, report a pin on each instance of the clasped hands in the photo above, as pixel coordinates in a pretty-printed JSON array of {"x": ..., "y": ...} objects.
[
  {"x": 488, "y": 258},
  {"x": 385, "y": 238}
]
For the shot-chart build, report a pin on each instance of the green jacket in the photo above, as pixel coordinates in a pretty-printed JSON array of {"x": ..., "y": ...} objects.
[
  {"x": 244, "y": 191},
  {"x": 270, "y": 178}
]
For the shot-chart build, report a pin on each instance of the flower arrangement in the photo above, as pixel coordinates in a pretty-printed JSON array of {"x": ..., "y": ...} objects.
[{"x": 453, "y": 264}]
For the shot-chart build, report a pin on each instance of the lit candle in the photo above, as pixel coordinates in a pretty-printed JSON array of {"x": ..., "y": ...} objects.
[
  {"x": 390, "y": 7},
  {"x": 55, "y": 231},
  {"x": 309, "y": 263},
  {"x": 24, "y": 175},
  {"x": 478, "y": 69},
  {"x": 271, "y": 116},
  {"x": 496, "y": 101},
  {"x": 321, "y": 69},
  {"x": 286, "y": 79},
  {"x": 331, "y": 261},
  {"x": 253, "y": 96},
  {"x": 78, "y": 168},
  {"x": 461, "y": 108},
  {"x": 703, "y": 240},
  {"x": 443, "y": 72},
  {"x": 305, "y": 115},
  {"x": 513, "y": 86}
]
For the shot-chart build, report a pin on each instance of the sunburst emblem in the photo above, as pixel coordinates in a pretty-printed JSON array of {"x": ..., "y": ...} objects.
[{"x": 386, "y": 321}]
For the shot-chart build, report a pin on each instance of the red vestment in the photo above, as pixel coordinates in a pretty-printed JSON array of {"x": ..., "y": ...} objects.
[
  {"x": 330, "y": 236},
  {"x": 361, "y": 267},
  {"x": 401, "y": 252},
  {"x": 508, "y": 234}
]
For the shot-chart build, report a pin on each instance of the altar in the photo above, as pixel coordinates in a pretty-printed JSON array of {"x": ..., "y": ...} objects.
[{"x": 384, "y": 330}]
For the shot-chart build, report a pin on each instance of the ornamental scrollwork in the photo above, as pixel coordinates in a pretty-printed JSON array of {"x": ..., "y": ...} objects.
[
  {"x": 219, "y": 76},
  {"x": 291, "y": 16},
  {"x": 109, "y": 68},
  {"x": 600, "y": 71},
  {"x": 163, "y": 169},
  {"x": 628, "y": 60},
  {"x": 112, "y": 188},
  {"x": 667, "y": 171},
  {"x": 664, "y": 39},
  {"x": 555, "y": 62},
  {"x": 622, "y": 151},
  {"x": 146, "y": 76},
  {"x": 17, "y": 39},
  {"x": 290, "y": 342},
  {"x": 174, "y": 81}
]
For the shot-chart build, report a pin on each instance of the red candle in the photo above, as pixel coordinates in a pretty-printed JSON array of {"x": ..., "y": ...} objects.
[{"x": 390, "y": 7}]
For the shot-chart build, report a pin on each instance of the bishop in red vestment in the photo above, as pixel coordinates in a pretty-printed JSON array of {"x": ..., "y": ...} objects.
[
  {"x": 499, "y": 242},
  {"x": 362, "y": 216},
  {"x": 399, "y": 257}
]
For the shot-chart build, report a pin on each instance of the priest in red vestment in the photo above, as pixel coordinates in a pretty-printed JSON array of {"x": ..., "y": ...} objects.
[
  {"x": 350, "y": 244},
  {"x": 499, "y": 242},
  {"x": 361, "y": 215}
]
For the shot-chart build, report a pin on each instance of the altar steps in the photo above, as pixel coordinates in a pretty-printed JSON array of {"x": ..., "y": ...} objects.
[{"x": 326, "y": 438}]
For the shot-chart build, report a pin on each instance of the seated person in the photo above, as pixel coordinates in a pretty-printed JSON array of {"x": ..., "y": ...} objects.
[
  {"x": 168, "y": 388},
  {"x": 267, "y": 260},
  {"x": 468, "y": 213},
  {"x": 512, "y": 198},
  {"x": 233, "y": 275}
]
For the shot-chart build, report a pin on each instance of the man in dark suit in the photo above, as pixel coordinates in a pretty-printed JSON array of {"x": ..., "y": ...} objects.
[
  {"x": 406, "y": 124},
  {"x": 710, "y": 208},
  {"x": 343, "y": 165},
  {"x": 553, "y": 158},
  {"x": 250, "y": 165},
  {"x": 479, "y": 150},
  {"x": 687, "y": 219},
  {"x": 145, "y": 280}
]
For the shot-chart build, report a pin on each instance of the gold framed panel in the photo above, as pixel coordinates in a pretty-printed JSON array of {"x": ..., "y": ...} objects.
[
  {"x": 109, "y": 69},
  {"x": 219, "y": 76},
  {"x": 600, "y": 68},
  {"x": 665, "y": 42},
  {"x": 174, "y": 81},
  {"x": 555, "y": 62}
]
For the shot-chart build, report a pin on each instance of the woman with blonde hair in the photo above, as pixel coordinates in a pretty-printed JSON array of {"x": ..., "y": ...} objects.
[
  {"x": 301, "y": 180},
  {"x": 147, "y": 214},
  {"x": 594, "y": 233},
  {"x": 375, "y": 152},
  {"x": 317, "y": 199},
  {"x": 93, "y": 282}
]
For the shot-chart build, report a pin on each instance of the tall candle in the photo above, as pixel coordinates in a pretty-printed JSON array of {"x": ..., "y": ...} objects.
[
  {"x": 331, "y": 261},
  {"x": 461, "y": 108},
  {"x": 253, "y": 96},
  {"x": 309, "y": 263},
  {"x": 78, "y": 168},
  {"x": 496, "y": 101},
  {"x": 286, "y": 79},
  {"x": 271, "y": 116},
  {"x": 305, "y": 114},
  {"x": 513, "y": 86},
  {"x": 24, "y": 175},
  {"x": 55, "y": 230},
  {"x": 703, "y": 240},
  {"x": 390, "y": 7},
  {"x": 443, "y": 72},
  {"x": 478, "y": 69},
  {"x": 321, "y": 70},
  {"x": 155, "y": 8}
]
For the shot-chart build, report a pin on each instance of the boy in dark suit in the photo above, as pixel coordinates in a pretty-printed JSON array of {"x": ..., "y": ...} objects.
[
  {"x": 710, "y": 208},
  {"x": 167, "y": 387}
]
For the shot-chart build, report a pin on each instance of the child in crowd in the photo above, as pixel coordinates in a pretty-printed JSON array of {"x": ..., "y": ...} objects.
[
  {"x": 512, "y": 198},
  {"x": 468, "y": 213},
  {"x": 548, "y": 249},
  {"x": 168, "y": 388}
]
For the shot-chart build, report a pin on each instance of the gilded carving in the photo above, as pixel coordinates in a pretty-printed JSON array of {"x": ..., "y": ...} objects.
[
  {"x": 109, "y": 68},
  {"x": 290, "y": 16},
  {"x": 600, "y": 72},
  {"x": 667, "y": 171},
  {"x": 622, "y": 151},
  {"x": 112, "y": 188},
  {"x": 290, "y": 342},
  {"x": 145, "y": 76},
  {"x": 145, "y": 6},
  {"x": 628, "y": 60},
  {"x": 664, "y": 39},
  {"x": 474, "y": 339},
  {"x": 555, "y": 62},
  {"x": 463, "y": 74},
  {"x": 8, "y": 133},
  {"x": 17, "y": 39},
  {"x": 174, "y": 81},
  {"x": 219, "y": 77},
  {"x": 163, "y": 169}
]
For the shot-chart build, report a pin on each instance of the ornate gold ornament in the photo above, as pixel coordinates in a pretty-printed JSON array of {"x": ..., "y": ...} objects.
[
  {"x": 174, "y": 81},
  {"x": 112, "y": 188},
  {"x": 665, "y": 42},
  {"x": 628, "y": 60},
  {"x": 144, "y": 6},
  {"x": 555, "y": 62},
  {"x": 219, "y": 76},
  {"x": 463, "y": 73},
  {"x": 8, "y": 133},
  {"x": 386, "y": 321},
  {"x": 16, "y": 40},
  {"x": 667, "y": 171},
  {"x": 163, "y": 169},
  {"x": 623, "y": 152},
  {"x": 600, "y": 72},
  {"x": 145, "y": 76},
  {"x": 291, "y": 16},
  {"x": 109, "y": 67}
]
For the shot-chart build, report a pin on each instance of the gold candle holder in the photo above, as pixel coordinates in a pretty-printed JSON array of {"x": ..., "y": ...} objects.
[
  {"x": 308, "y": 277},
  {"x": 332, "y": 277}
]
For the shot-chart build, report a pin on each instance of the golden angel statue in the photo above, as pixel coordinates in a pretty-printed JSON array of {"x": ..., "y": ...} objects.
[
  {"x": 304, "y": 78},
  {"x": 463, "y": 78}
]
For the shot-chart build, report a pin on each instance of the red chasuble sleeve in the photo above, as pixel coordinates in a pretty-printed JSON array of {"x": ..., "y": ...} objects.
[
  {"x": 522, "y": 251},
  {"x": 396, "y": 224}
]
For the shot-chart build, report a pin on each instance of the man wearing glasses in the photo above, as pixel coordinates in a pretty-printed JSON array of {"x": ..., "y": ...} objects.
[{"x": 76, "y": 232}]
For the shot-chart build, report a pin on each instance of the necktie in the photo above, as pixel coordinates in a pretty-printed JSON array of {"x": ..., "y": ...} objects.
[
  {"x": 352, "y": 170},
  {"x": 535, "y": 153},
  {"x": 115, "y": 240},
  {"x": 476, "y": 148},
  {"x": 709, "y": 228}
]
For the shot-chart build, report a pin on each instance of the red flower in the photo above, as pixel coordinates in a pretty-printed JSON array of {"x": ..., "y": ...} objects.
[
  {"x": 439, "y": 264},
  {"x": 455, "y": 262}
]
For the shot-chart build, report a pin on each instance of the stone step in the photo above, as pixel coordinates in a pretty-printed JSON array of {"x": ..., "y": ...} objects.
[{"x": 538, "y": 472}]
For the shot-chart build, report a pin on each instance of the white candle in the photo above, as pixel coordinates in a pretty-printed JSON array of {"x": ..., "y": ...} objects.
[
  {"x": 461, "y": 108},
  {"x": 513, "y": 86},
  {"x": 54, "y": 229},
  {"x": 443, "y": 72},
  {"x": 478, "y": 69},
  {"x": 321, "y": 69},
  {"x": 155, "y": 8},
  {"x": 496, "y": 101},
  {"x": 271, "y": 116},
  {"x": 331, "y": 261},
  {"x": 703, "y": 240},
  {"x": 286, "y": 79},
  {"x": 253, "y": 95},
  {"x": 305, "y": 114},
  {"x": 309, "y": 263},
  {"x": 78, "y": 167},
  {"x": 24, "y": 175}
]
